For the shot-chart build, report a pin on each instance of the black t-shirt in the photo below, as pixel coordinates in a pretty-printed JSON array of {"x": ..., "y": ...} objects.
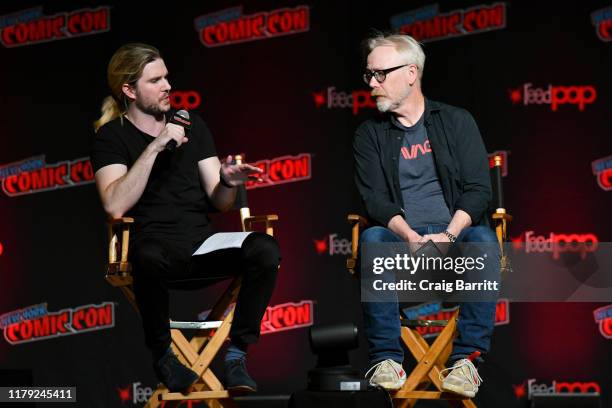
[{"x": 174, "y": 205}]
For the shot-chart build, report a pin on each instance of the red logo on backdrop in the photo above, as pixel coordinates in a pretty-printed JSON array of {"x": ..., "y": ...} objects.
[
  {"x": 230, "y": 26},
  {"x": 34, "y": 175},
  {"x": 284, "y": 169},
  {"x": 504, "y": 160},
  {"x": 188, "y": 100},
  {"x": 287, "y": 316},
  {"x": 36, "y": 323},
  {"x": 530, "y": 388},
  {"x": 602, "y": 169},
  {"x": 602, "y": 20},
  {"x": 435, "y": 311},
  {"x": 354, "y": 100},
  {"x": 124, "y": 394},
  {"x": 554, "y": 95},
  {"x": 557, "y": 243},
  {"x": 31, "y": 26},
  {"x": 428, "y": 24},
  {"x": 603, "y": 317},
  {"x": 135, "y": 393},
  {"x": 332, "y": 245}
]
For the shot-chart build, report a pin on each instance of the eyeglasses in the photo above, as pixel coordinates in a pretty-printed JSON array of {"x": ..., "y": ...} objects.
[{"x": 380, "y": 75}]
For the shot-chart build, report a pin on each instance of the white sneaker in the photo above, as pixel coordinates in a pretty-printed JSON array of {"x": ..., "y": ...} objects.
[
  {"x": 463, "y": 378},
  {"x": 388, "y": 374}
]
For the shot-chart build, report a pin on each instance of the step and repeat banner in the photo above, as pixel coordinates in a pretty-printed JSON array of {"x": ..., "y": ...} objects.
[{"x": 280, "y": 81}]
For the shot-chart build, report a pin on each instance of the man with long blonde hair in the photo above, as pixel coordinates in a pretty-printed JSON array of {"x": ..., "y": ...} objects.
[{"x": 168, "y": 192}]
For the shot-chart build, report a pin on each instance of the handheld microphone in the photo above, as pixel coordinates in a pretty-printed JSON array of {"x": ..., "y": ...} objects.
[{"x": 180, "y": 118}]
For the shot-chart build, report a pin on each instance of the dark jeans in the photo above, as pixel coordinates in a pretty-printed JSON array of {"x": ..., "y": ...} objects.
[
  {"x": 160, "y": 265},
  {"x": 476, "y": 319}
]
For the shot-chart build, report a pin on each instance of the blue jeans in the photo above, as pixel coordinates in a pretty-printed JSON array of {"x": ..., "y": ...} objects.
[{"x": 476, "y": 319}]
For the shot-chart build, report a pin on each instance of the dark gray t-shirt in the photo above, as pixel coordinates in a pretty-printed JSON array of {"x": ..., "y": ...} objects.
[{"x": 421, "y": 190}]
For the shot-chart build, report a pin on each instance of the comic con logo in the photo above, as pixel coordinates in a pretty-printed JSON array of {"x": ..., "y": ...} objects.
[
  {"x": 603, "y": 317},
  {"x": 530, "y": 388},
  {"x": 554, "y": 95},
  {"x": 428, "y": 24},
  {"x": 435, "y": 311},
  {"x": 31, "y": 26},
  {"x": 602, "y": 20},
  {"x": 331, "y": 98},
  {"x": 230, "y": 26},
  {"x": 34, "y": 175},
  {"x": 602, "y": 170},
  {"x": 282, "y": 317},
  {"x": 281, "y": 170},
  {"x": 37, "y": 323},
  {"x": 556, "y": 244},
  {"x": 332, "y": 245}
]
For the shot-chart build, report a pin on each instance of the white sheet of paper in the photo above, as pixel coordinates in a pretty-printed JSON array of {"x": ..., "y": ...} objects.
[{"x": 222, "y": 240}]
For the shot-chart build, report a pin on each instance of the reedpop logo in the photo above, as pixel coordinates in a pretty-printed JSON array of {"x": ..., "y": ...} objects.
[
  {"x": 530, "y": 388},
  {"x": 135, "y": 393},
  {"x": 332, "y": 245},
  {"x": 333, "y": 99},
  {"x": 554, "y": 95},
  {"x": 556, "y": 243}
]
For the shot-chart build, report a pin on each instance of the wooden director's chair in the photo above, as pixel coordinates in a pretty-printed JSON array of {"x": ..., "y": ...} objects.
[
  {"x": 198, "y": 352},
  {"x": 431, "y": 360}
]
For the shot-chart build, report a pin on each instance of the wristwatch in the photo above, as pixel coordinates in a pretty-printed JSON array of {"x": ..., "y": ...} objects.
[{"x": 451, "y": 237}]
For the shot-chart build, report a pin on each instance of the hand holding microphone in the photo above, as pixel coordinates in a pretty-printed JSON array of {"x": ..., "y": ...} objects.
[{"x": 178, "y": 124}]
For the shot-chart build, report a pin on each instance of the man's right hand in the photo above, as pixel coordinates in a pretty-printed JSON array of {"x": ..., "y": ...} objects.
[
  {"x": 415, "y": 241},
  {"x": 171, "y": 132}
]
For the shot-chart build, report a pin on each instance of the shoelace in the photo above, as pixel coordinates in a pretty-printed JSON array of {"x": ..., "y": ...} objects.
[
  {"x": 474, "y": 376},
  {"x": 378, "y": 367}
]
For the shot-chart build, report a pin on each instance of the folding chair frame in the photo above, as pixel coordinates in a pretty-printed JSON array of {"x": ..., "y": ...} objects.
[{"x": 198, "y": 352}]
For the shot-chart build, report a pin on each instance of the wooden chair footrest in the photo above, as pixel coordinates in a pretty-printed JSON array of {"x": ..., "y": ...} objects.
[
  {"x": 424, "y": 323},
  {"x": 195, "y": 325},
  {"x": 198, "y": 395},
  {"x": 428, "y": 395}
]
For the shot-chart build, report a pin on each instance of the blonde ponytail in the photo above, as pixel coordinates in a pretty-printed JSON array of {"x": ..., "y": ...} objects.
[{"x": 110, "y": 110}]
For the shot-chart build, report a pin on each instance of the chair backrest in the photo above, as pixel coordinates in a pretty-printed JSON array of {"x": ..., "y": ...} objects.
[{"x": 498, "y": 211}]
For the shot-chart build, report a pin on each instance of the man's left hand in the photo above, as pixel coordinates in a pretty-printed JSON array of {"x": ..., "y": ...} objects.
[{"x": 236, "y": 174}]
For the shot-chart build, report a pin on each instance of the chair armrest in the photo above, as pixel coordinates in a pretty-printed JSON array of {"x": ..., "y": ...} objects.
[
  {"x": 502, "y": 216},
  {"x": 119, "y": 244},
  {"x": 268, "y": 219},
  {"x": 356, "y": 221},
  {"x": 121, "y": 220},
  {"x": 352, "y": 218}
]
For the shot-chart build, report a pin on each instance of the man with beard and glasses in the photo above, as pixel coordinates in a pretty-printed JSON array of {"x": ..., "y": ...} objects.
[
  {"x": 422, "y": 171},
  {"x": 168, "y": 192}
]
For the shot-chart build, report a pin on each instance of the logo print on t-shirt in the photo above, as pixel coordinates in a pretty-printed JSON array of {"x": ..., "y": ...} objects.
[{"x": 411, "y": 152}]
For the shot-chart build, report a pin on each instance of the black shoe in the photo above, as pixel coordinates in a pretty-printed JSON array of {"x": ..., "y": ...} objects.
[
  {"x": 237, "y": 378},
  {"x": 173, "y": 374}
]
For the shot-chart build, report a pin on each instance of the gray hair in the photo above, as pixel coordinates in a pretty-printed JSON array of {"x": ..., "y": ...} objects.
[{"x": 409, "y": 48}]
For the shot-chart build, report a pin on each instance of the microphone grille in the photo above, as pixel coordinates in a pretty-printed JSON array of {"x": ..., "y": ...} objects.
[{"x": 183, "y": 114}]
